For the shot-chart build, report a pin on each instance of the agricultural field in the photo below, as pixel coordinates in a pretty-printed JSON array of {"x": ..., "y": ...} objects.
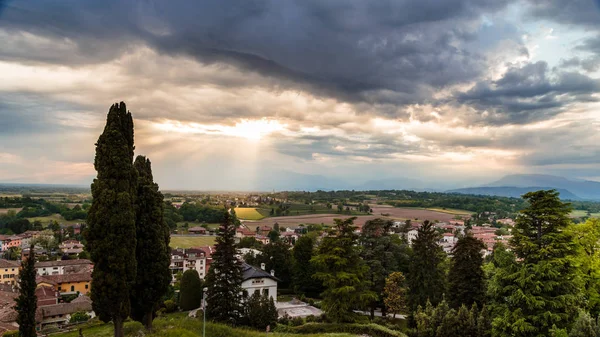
[
  {"x": 578, "y": 213},
  {"x": 293, "y": 221},
  {"x": 409, "y": 213},
  {"x": 188, "y": 241},
  {"x": 451, "y": 211},
  {"x": 54, "y": 217},
  {"x": 246, "y": 213},
  {"x": 6, "y": 210}
]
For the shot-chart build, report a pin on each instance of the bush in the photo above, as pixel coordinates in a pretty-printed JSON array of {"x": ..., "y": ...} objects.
[
  {"x": 11, "y": 334},
  {"x": 170, "y": 306},
  {"x": 80, "y": 316},
  {"x": 296, "y": 321},
  {"x": 190, "y": 295},
  {"x": 372, "y": 330}
]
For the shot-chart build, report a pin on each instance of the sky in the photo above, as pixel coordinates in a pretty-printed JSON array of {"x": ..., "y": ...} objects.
[{"x": 271, "y": 94}]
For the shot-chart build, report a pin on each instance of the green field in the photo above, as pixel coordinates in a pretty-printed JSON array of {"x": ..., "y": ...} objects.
[
  {"x": 578, "y": 213},
  {"x": 450, "y": 211},
  {"x": 180, "y": 225},
  {"x": 54, "y": 217},
  {"x": 191, "y": 241},
  {"x": 245, "y": 213},
  {"x": 179, "y": 325}
]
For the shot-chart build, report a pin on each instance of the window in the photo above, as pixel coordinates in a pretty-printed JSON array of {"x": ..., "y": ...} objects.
[
  {"x": 59, "y": 289},
  {"x": 72, "y": 288},
  {"x": 87, "y": 286}
]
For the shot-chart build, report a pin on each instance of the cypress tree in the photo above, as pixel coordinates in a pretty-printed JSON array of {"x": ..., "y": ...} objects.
[
  {"x": 541, "y": 287},
  {"x": 111, "y": 220},
  {"x": 26, "y": 303},
  {"x": 224, "y": 279},
  {"x": 466, "y": 276},
  {"x": 152, "y": 250},
  {"x": 426, "y": 278},
  {"x": 190, "y": 295},
  {"x": 302, "y": 268}
]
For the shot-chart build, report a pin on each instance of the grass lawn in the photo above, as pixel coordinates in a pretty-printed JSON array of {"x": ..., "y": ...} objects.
[
  {"x": 178, "y": 325},
  {"x": 6, "y": 210},
  {"x": 47, "y": 219},
  {"x": 245, "y": 213},
  {"x": 189, "y": 241}
]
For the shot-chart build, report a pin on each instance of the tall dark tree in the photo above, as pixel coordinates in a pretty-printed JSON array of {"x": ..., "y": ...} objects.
[
  {"x": 277, "y": 257},
  {"x": 343, "y": 273},
  {"x": 26, "y": 303},
  {"x": 542, "y": 288},
  {"x": 224, "y": 277},
  {"x": 466, "y": 278},
  {"x": 384, "y": 254},
  {"x": 426, "y": 277},
  {"x": 190, "y": 295},
  {"x": 303, "y": 269},
  {"x": 111, "y": 220},
  {"x": 152, "y": 251}
]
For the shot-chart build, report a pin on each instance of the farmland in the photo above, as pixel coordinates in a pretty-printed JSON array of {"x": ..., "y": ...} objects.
[
  {"x": 581, "y": 213},
  {"x": 245, "y": 213},
  {"x": 409, "y": 213},
  {"x": 188, "y": 241},
  {"x": 45, "y": 220}
]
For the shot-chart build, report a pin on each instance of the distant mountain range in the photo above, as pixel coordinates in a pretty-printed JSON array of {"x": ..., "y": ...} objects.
[{"x": 516, "y": 185}]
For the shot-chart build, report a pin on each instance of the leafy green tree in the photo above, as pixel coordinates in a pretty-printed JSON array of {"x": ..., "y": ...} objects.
[
  {"x": 249, "y": 242},
  {"x": 343, "y": 273},
  {"x": 541, "y": 289},
  {"x": 26, "y": 302},
  {"x": 273, "y": 236},
  {"x": 383, "y": 253},
  {"x": 426, "y": 278},
  {"x": 303, "y": 270},
  {"x": 190, "y": 295},
  {"x": 260, "y": 311},
  {"x": 585, "y": 326},
  {"x": 587, "y": 237},
  {"x": 224, "y": 277},
  {"x": 152, "y": 250},
  {"x": 111, "y": 220},
  {"x": 277, "y": 257},
  {"x": 394, "y": 293},
  {"x": 79, "y": 316},
  {"x": 466, "y": 278}
]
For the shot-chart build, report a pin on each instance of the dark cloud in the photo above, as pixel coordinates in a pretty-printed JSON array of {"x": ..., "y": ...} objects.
[
  {"x": 529, "y": 93},
  {"x": 396, "y": 52},
  {"x": 589, "y": 64},
  {"x": 573, "y": 12}
]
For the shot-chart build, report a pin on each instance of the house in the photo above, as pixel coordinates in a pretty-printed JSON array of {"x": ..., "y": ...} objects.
[
  {"x": 46, "y": 295},
  {"x": 264, "y": 239},
  {"x": 412, "y": 235},
  {"x": 67, "y": 284},
  {"x": 71, "y": 247},
  {"x": 289, "y": 237},
  {"x": 186, "y": 259},
  {"x": 60, "y": 314},
  {"x": 197, "y": 230},
  {"x": 9, "y": 270},
  {"x": 11, "y": 241},
  {"x": 264, "y": 230},
  {"x": 242, "y": 232},
  {"x": 257, "y": 280},
  {"x": 61, "y": 267}
]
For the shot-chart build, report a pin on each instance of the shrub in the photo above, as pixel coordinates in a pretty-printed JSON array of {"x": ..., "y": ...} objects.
[
  {"x": 80, "y": 316},
  {"x": 372, "y": 330},
  {"x": 296, "y": 321},
  {"x": 11, "y": 333},
  {"x": 190, "y": 295},
  {"x": 170, "y": 306}
]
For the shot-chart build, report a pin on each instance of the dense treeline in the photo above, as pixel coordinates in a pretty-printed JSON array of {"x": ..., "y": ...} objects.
[{"x": 41, "y": 207}]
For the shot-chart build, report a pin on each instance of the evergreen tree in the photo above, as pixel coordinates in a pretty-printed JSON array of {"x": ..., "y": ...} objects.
[
  {"x": 111, "y": 220},
  {"x": 394, "y": 293},
  {"x": 342, "y": 272},
  {"x": 260, "y": 311},
  {"x": 190, "y": 293},
  {"x": 384, "y": 254},
  {"x": 587, "y": 237},
  {"x": 303, "y": 269},
  {"x": 152, "y": 251},
  {"x": 466, "y": 277},
  {"x": 277, "y": 257},
  {"x": 541, "y": 289},
  {"x": 426, "y": 278},
  {"x": 26, "y": 303},
  {"x": 585, "y": 326},
  {"x": 224, "y": 277}
]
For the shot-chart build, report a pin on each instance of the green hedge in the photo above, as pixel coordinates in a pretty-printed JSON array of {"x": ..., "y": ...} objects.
[{"x": 373, "y": 330}]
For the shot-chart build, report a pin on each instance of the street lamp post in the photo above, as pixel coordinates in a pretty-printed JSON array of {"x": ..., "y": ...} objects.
[{"x": 204, "y": 311}]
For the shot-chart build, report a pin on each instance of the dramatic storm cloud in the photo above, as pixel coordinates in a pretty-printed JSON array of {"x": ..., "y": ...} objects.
[{"x": 253, "y": 94}]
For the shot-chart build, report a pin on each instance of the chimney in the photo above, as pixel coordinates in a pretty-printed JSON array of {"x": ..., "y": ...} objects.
[
  {"x": 262, "y": 266},
  {"x": 272, "y": 272}
]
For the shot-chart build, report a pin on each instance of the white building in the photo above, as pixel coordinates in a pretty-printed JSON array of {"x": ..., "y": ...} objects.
[
  {"x": 186, "y": 259},
  {"x": 412, "y": 236},
  {"x": 61, "y": 267},
  {"x": 257, "y": 280}
]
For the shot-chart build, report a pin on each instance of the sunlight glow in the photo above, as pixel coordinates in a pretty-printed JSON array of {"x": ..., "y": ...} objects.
[{"x": 245, "y": 128}]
